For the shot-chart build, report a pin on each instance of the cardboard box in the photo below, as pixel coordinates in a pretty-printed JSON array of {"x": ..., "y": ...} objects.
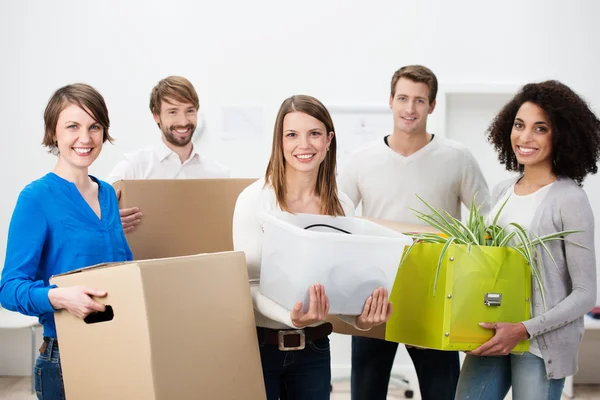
[
  {"x": 343, "y": 328},
  {"x": 181, "y": 216},
  {"x": 377, "y": 332},
  {"x": 350, "y": 256},
  {"x": 182, "y": 328}
]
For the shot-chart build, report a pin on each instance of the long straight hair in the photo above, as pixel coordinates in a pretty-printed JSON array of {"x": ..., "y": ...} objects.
[{"x": 326, "y": 186}]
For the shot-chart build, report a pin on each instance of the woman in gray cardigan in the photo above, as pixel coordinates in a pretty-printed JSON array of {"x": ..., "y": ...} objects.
[{"x": 550, "y": 136}]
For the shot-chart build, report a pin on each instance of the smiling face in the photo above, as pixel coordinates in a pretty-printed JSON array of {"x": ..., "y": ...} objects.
[
  {"x": 531, "y": 136},
  {"x": 410, "y": 106},
  {"x": 78, "y": 137},
  {"x": 177, "y": 121},
  {"x": 305, "y": 142}
]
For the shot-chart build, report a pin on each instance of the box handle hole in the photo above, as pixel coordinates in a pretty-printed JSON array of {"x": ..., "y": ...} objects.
[{"x": 100, "y": 316}]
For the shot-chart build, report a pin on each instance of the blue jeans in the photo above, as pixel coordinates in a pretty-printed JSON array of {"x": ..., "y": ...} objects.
[
  {"x": 48, "y": 374},
  {"x": 372, "y": 361},
  {"x": 490, "y": 378},
  {"x": 298, "y": 374}
]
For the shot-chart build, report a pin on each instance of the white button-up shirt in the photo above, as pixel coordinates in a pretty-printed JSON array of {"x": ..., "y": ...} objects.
[{"x": 160, "y": 162}]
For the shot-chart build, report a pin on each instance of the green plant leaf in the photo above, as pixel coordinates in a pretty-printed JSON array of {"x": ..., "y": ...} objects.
[
  {"x": 495, "y": 221},
  {"x": 476, "y": 232}
]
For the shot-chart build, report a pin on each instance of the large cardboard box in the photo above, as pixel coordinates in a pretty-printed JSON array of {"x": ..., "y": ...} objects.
[
  {"x": 181, "y": 328},
  {"x": 181, "y": 216}
]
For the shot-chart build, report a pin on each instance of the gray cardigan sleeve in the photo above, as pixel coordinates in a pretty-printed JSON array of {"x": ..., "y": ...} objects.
[{"x": 576, "y": 213}]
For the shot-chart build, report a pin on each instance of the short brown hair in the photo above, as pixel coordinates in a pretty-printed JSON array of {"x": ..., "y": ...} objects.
[
  {"x": 326, "y": 187},
  {"x": 173, "y": 87},
  {"x": 81, "y": 95},
  {"x": 419, "y": 74}
]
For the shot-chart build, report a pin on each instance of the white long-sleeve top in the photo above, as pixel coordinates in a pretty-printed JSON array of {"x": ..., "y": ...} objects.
[
  {"x": 160, "y": 162},
  {"x": 248, "y": 237}
]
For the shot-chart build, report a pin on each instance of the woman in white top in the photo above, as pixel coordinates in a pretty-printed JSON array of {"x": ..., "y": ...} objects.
[
  {"x": 300, "y": 178},
  {"x": 548, "y": 134}
]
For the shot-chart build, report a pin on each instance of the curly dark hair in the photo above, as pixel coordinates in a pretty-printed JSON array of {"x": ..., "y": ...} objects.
[{"x": 575, "y": 129}]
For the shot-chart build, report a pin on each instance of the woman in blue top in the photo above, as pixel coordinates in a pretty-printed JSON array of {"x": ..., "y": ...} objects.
[{"x": 63, "y": 221}]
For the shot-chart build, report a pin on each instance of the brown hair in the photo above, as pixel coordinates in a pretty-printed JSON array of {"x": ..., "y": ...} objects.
[
  {"x": 173, "y": 87},
  {"x": 418, "y": 74},
  {"x": 326, "y": 186},
  {"x": 79, "y": 94}
]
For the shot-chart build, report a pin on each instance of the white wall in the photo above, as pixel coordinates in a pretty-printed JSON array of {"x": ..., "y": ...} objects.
[{"x": 258, "y": 53}]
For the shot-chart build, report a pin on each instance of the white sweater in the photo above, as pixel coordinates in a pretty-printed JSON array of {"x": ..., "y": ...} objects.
[
  {"x": 248, "y": 237},
  {"x": 444, "y": 173}
]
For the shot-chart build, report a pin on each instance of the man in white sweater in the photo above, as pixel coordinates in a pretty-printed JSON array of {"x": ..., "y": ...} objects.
[
  {"x": 174, "y": 105},
  {"x": 386, "y": 176}
]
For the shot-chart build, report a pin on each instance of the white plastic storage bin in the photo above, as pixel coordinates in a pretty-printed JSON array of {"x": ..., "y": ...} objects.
[{"x": 350, "y": 265}]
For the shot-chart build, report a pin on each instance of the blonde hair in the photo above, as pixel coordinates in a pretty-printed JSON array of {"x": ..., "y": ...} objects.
[{"x": 326, "y": 186}]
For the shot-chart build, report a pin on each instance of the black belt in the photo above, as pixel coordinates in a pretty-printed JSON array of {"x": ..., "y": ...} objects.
[{"x": 293, "y": 339}]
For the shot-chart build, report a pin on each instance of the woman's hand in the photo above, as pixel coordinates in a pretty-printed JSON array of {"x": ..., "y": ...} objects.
[
  {"x": 318, "y": 308},
  {"x": 505, "y": 339},
  {"x": 377, "y": 310},
  {"x": 77, "y": 300}
]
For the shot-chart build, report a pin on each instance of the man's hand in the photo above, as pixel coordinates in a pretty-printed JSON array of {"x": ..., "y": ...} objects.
[{"x": 130, "y": 217}]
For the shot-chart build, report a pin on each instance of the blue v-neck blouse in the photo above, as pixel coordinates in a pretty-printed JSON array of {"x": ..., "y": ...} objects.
[{"x": 54, "y": 230}]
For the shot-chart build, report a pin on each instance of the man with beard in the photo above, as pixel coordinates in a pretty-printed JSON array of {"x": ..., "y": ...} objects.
[{"x": 174, "y": 105}]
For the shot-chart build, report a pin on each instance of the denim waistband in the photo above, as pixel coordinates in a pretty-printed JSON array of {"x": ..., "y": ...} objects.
[{"x": 49, "y": 348}]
